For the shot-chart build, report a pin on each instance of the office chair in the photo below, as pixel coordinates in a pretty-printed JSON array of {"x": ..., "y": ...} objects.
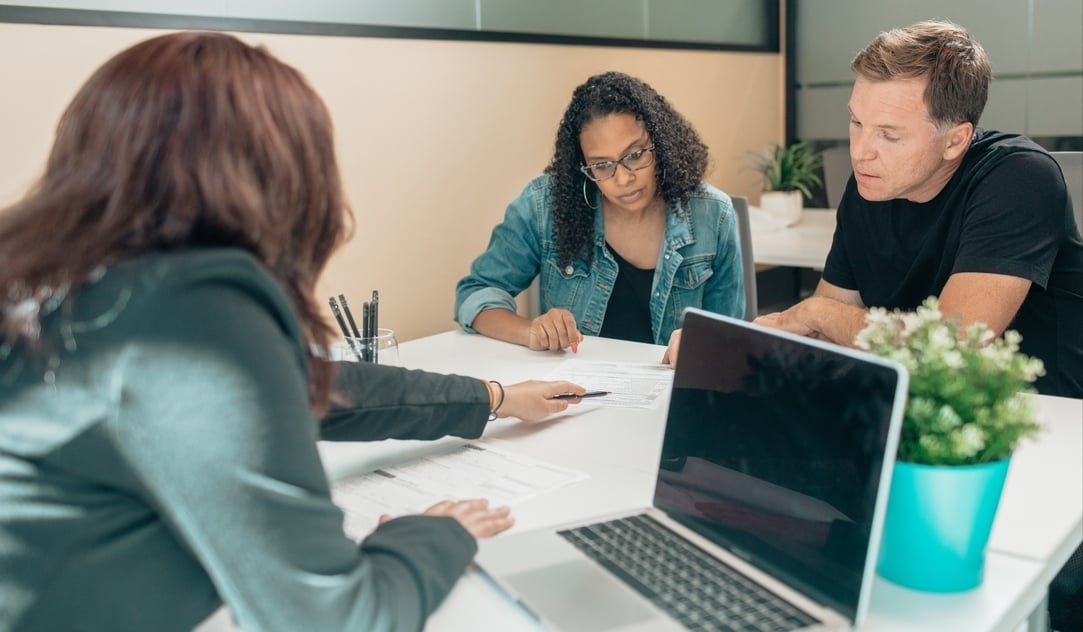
[
  {"x": 1071, "y": 163},
  {"x": 744, "y": 234},
  {"x": 837, "y": 170},
  {"x": 529, "y": 302}
]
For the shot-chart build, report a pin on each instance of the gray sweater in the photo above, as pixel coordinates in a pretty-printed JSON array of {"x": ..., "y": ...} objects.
[{"x": 158, "y": 457}]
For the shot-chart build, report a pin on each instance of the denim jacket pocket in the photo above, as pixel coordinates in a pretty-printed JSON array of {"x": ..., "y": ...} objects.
[
  {"x": 566, "y": 286},
  {"x": 693, "y": 272}
]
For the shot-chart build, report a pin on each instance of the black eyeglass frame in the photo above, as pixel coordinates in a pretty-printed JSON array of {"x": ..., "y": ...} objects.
[{"x": 636, "y": 154}]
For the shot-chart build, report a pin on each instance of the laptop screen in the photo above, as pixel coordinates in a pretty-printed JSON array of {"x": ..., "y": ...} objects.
[{"x": 774, "y": 449}]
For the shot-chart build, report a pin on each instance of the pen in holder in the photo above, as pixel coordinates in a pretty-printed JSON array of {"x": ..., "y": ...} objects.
[{"x": 383, "y": 348}]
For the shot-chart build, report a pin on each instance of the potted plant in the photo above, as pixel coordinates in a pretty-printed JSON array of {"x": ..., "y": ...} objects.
[
  {"x": 965, "y": 415},
  {"x": 787, "y": 175}
]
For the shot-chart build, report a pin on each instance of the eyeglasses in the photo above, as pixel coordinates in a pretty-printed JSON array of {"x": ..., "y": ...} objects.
[{"x": 633, "y": 161}]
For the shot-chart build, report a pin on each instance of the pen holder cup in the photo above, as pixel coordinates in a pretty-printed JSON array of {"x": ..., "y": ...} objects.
[{"x": 383, "y": 348}]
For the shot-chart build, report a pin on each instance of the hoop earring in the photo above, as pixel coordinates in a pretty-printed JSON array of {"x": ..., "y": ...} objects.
[
  {"x": 585, "y": 198},
  {"x": 663, "y": 176}
]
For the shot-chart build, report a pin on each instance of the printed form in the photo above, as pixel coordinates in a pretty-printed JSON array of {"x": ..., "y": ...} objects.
[
  {"x": 469, "y": 471},
  {"x": 630, "y": 384}
]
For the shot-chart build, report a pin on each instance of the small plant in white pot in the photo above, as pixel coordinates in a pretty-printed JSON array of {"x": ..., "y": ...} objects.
[{"x": 787, "y": 175}]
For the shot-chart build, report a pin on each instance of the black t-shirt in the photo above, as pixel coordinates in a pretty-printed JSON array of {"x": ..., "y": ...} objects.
[
  {"x": 628, "y": 315},
  {"x": 1005, "y": 211}
]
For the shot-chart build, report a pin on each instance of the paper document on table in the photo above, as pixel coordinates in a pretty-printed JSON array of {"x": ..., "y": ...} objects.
[
  {"x": 631, "y": 384},
  {"x": 469, "y": 471}
]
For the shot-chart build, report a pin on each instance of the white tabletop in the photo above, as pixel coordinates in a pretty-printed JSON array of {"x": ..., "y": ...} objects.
[
  {"x": 1041, "y": 512},
  {"x": 1037, "y": 525},
  {"x": 619, "y": 449},
  {"x": 803, "y": 245}
]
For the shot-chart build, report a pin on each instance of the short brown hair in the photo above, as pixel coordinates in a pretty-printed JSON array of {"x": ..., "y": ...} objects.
[
  {"x": 954, "y": 63},
  {"x": 185, "y": 140}
]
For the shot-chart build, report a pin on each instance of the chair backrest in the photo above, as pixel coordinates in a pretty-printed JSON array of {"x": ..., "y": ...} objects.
[
  {"x": 1071, "y": 163},
  {"x": 529, "y": 302},
  {"x": 744, "y": 234},
  {"x": 837, "y": 170}
]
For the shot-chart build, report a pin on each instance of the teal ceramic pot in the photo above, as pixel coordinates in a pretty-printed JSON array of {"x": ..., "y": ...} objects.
[{"x": 938, "y": 523}]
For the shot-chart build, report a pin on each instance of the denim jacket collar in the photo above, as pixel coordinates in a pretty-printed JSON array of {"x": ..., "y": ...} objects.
[{"x": 679, "y": 229}]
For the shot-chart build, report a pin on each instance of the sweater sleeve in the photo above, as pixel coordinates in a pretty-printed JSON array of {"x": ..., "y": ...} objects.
[
  {"x": 213, "y": 420},
  {"x": 375, "y": 402}
]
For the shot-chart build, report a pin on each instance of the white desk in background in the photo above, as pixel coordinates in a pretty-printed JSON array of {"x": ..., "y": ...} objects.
[
  {"x": 803, "y": 245},
  {"x": 1036, "y": 527}
]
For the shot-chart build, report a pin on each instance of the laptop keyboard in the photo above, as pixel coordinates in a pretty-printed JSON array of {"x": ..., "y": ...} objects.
[{"x": 696, "y": 589}]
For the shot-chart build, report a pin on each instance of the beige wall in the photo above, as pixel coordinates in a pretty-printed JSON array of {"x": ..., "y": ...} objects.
[{"x": 434, "y": 137}]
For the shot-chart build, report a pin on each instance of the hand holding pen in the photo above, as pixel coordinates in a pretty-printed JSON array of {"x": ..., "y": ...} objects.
[
  {"x": 582, "y": 395},
  {"x": 534, "y": 400}
]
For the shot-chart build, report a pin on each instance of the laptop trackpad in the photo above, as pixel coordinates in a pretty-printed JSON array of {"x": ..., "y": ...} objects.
[{"x": 579, "y": 596}]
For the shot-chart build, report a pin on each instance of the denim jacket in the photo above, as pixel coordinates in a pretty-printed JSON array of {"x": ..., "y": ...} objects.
[{"x": 699, "y": 265}]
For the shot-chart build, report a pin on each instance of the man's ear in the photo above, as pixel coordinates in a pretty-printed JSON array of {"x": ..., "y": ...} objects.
[{"x": 958, "y": 140}]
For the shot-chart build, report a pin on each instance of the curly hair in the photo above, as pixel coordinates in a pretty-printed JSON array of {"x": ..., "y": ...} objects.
[{"x": 680, "y": 155}]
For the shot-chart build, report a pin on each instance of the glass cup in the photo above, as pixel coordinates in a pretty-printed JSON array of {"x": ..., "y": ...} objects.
[{"x": 383, "y": 348}]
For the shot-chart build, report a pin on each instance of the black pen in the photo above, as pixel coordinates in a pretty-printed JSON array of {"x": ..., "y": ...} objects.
[
  {"x": 375, "y": 325},
  {"x": 342, "y": 326},
  {"x": 366, "y": 332},
  {"x": 349, "y": 316},
  {"x": 576, "y": 396}
]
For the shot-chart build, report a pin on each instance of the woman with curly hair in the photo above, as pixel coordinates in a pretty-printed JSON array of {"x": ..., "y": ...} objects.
[{"x": 621, "y": 229}]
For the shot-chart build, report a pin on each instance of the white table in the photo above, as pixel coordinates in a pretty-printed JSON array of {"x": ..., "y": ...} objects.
[
  {"x": 1039, "y": 523},
  {"x": 803, "y": 245},
  {"x": 619, "y": 448}
]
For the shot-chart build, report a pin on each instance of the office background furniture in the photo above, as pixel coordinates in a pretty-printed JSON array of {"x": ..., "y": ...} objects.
[
  {"x": 837, "y": 170},
  {"x": 803, "y": 245},
  {"x": 748, "y": 260},
  {"x": 1071, "y": 163},
  {"x": 618, "y": 448},
  {"x": 789, "y": 259}
]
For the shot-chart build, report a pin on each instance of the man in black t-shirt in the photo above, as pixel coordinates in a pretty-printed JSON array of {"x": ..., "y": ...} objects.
[{"x": 938, "y": 206}]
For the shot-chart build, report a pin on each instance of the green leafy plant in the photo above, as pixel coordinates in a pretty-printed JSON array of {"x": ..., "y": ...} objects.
[
  {"x": 792, "y": 168},
  {"x": 966, "y": 403}
]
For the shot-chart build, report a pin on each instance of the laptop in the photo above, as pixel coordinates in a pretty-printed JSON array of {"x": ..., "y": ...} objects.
[{"x": 768, "y": 505}]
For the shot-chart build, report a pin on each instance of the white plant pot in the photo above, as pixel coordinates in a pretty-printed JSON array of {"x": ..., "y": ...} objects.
[{"x": 784, "y": 206}]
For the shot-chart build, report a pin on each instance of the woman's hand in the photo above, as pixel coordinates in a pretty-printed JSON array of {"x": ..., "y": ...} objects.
[
  {"x": 474, "y": 515},
  {"x": 554, "y": 330},
  {"x": 670, "y": 357},
  {"x": 533, "y": 400}
]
